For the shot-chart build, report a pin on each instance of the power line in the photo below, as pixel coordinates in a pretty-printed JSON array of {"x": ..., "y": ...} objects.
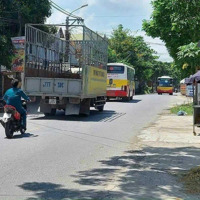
[
  {"x": 58, "y": 7},
  {"x": 119, "y": 16},
  {"x": 62, "y": 10}
]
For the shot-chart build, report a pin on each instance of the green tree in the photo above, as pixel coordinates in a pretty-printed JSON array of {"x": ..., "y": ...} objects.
[
  {"x": 126, "y": 48},
  {"x": 175, "y": 22},
  {"x": 14, "y": 14},
  {"x": 5, "y": 51},
  {"x": 189, "y": 57}
]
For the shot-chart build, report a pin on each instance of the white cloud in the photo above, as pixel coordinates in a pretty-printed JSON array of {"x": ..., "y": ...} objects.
[
  {"x": 56, "y": 18},
  {"x": 132, "y": 3},
  {"x": 128, "y": 6},
  {"x": 83, "y": 13},
  {"x": 90, "y": 2},
  {"x": 98, "y": 16}
]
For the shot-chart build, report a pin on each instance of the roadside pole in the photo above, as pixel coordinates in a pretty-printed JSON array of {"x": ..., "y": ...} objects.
[
  {"x": 1, "y": 89},
  {"x": 67, "y": 37}
]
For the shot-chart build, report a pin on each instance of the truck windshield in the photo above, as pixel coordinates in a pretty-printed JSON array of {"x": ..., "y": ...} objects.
[{"x": 115, "y": 69}]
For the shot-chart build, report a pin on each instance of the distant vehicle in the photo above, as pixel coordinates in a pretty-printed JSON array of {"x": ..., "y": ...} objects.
[
  {"x": 165, "y": 85},
  {"x": 120, "y": 81}
]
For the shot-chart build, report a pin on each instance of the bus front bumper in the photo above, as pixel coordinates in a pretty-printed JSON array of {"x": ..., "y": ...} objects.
[
  {"x": 116, "y": 93},
  {"x": 165, "y": 91}
]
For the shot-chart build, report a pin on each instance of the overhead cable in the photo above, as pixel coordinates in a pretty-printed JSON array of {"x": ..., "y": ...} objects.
[
  {"x": 62, "y": 10},
  {"x": 59, "y": 7}
]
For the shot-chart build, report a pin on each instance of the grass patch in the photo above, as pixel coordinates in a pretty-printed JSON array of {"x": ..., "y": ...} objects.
[
  {"x": 188, "y": 108},
  {"x": 191, "y": 180}
]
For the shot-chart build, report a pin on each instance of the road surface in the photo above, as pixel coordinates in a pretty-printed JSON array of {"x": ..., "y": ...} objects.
[{"x": 76, "y": 157}]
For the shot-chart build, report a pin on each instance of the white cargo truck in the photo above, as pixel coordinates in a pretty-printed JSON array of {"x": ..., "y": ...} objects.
[{"x": 66, "y": 75}]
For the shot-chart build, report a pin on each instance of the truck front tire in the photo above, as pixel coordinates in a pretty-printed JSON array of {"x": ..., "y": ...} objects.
[
  {"x": 52, "y": 113},
  {"x": 100, "y": 108}
]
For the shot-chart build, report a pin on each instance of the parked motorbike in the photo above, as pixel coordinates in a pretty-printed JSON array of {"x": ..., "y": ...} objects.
[{"x": 12, "y": 121}]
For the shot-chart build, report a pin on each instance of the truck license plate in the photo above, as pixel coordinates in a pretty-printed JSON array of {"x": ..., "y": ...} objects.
[{"x": 52, "y": 101}]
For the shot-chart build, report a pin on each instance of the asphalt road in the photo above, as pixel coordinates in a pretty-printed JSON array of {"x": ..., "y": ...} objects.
[{"x": 76, "y": 157}]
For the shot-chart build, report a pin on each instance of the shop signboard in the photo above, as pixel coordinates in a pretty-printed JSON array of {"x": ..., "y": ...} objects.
[{"x": 19, "y": 54}]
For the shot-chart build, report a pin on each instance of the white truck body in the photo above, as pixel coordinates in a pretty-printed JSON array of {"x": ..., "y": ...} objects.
[
  {"x": 68, "y": 75},
  {"x": 53, "y": 87}
]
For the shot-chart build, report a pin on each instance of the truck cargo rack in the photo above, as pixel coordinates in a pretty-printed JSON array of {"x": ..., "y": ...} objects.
[{"x": 51, "y": 55}]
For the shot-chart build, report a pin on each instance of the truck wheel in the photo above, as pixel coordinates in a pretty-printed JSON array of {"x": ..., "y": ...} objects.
[
  {"x": 100, "y": 108},
  {"x": 126, "y": 99},
  {"x": 52, "y": 113},
  {"x": 9, "y": 130},
  {"x": 129, "y": 97}
]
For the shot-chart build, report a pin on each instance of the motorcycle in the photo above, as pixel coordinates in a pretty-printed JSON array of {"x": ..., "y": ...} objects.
[{"x": 12, "y": 121}]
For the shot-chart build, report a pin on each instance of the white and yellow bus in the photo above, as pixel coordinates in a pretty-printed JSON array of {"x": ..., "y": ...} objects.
[
  {"x": 165, "y": 85},
  {"x": 120, "y": 81}
]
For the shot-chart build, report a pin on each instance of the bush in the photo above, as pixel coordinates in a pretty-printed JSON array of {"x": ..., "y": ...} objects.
[
  {"x": 191, "y": 180},
  {"x": 188, "y": 108}
]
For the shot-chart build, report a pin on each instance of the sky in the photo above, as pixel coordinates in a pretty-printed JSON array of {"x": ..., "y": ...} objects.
[{"x": 105, "y": 15}]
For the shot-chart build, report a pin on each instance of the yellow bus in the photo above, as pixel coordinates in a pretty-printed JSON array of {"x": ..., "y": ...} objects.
[
  {"x": 165, "y": 85},
  {"x": 120, "y": 81}
]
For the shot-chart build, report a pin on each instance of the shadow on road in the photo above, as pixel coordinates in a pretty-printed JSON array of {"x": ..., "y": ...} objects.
[
  {"x": 148, "y": 174},
  {"x": 26, "y": 135},
  {"x": 95, "y": 116},
  {"x": 53, "y": 191},
  {"x": 121, "y": 101}
]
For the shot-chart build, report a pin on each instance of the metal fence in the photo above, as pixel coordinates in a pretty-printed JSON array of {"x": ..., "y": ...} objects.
[
  {"x": 47, "y": 54},
  {"x": 44, "y": 51},
  {"x": 91, "y": 50}
]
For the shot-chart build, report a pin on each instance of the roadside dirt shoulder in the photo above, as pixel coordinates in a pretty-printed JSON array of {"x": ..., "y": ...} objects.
[
  {"x": 171, "y": 130},
  {"x": 169, "y": 149}
]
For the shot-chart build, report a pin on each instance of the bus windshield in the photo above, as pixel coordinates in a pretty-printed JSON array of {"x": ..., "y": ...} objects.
[
  {"x": 165, "y": 82},
  {"x": 115, "y": 69}
]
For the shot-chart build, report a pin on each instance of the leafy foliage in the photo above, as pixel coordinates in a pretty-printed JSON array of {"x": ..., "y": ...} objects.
[
  {"x": 177, "y": 24},
  {"x": 189, "y": 56},
  {"x": 191, "y": 180},
  {"x": 132, "y": 50},
  {"x": 5, "y": 51},
  {"x": 188, "y": 108},
  {"x": 14, "y": 14}
]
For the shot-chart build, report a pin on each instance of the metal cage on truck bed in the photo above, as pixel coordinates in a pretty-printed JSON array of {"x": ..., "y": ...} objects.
[{"x": 56, "y": 66}]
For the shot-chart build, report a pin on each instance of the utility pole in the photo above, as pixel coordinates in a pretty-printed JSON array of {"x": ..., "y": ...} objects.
[
  {"x": 67, "y": 37},
  {"x": 1, "y": 85},
  {"x": 67, "y": 33}
]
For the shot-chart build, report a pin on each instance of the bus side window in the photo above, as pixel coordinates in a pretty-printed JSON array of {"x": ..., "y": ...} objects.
[
  {"x": 158, "y": 82},
  {"x": 133, "y": 76},
  {"x": 171, "y": 82},
  {"x": 130, "y": 74}
]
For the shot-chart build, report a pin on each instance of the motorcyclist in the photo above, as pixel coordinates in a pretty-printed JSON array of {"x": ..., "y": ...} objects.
[{"x": 13, "y": 97}]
